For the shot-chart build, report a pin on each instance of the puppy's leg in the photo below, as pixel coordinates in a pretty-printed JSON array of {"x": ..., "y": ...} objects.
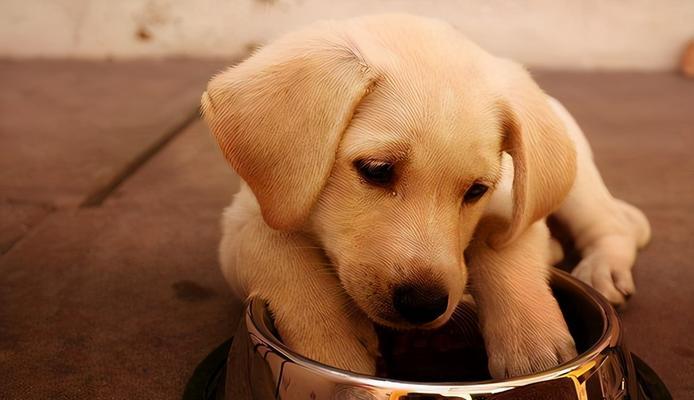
[
  {"x": 312, "y": 313},
  {"x": 607, "y": 231},
  {"x": 523, "y": 327}
]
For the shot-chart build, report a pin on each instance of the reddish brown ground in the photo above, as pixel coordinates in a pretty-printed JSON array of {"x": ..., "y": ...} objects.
[{"x": 122, "y": 299}]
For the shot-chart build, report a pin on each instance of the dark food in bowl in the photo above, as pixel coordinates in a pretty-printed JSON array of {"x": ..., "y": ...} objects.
[{"x": 456, "y": 353}]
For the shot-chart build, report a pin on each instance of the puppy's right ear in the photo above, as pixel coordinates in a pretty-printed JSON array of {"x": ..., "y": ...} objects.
[
  {"x": 279, "y": 116},
  {"x": 544, "y": 157}
]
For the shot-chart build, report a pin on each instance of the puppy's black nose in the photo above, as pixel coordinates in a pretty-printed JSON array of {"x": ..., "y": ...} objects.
[{"x": 420, "y": 304}]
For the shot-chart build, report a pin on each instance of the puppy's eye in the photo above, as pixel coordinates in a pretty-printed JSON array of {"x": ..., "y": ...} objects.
[
  {"x": 377, "y": 173},
  {"x": 474, "y": 192}
]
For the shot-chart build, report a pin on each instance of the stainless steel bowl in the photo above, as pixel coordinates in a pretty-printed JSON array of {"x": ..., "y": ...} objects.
[{"x": 261, "y": 367}]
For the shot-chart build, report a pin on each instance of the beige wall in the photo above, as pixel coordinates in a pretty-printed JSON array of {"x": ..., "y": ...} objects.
[{"x": 634, "y": 34}]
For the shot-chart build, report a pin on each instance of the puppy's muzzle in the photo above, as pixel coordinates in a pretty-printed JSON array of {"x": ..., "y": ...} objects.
[{"x": 420, "y": 303}]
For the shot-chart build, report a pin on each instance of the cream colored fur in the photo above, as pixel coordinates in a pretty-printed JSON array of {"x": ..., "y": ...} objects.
[{"x": 325, "y": 248}]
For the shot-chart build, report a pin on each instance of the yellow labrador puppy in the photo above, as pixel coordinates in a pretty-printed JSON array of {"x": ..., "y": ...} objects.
[{"x": 391, "y": 167}]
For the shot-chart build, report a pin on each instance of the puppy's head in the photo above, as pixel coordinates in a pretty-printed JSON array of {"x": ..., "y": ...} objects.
[{"x": 382, "y": 138}]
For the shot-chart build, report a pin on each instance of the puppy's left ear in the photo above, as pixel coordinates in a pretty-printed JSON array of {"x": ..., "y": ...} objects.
[
  {"x": 278, "y": 117},
  {"x": 544, "y": 157}
]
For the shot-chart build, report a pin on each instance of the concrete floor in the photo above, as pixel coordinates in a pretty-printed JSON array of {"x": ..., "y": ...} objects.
[{"x": 110, "y": 192}]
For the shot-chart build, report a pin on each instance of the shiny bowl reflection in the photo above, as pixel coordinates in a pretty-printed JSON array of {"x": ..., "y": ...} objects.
[{"x": 603, "y": 370}]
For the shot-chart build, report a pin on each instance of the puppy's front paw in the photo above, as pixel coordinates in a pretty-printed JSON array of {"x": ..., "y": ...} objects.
[
  {"x": 527, "y": 356},
  {"x": 608, "y": 257},
  {"x": 348, "y": 342},
  {"x": 528, "y": 346},
  {"x": 606, "y": 266}
]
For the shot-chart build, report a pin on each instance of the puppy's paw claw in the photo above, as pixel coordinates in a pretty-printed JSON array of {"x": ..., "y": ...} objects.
[
  {"x": 526, "y": 358},
  {"x": 624, "y": 282}
]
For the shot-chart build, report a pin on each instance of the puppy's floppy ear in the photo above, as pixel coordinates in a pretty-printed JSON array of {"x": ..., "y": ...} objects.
[
  {"x": 279, "y": 116},
  {"x": 544, "y": 157}
]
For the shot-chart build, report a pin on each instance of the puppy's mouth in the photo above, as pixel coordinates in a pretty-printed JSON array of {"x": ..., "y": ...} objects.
[{"x": 419, "y": 302}]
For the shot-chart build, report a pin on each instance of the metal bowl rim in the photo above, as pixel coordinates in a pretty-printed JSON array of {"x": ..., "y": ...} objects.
[{"x": 611, "y": 336}]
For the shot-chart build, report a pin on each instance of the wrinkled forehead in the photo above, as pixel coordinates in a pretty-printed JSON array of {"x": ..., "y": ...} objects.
[{"x": 433, "y": 119}]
